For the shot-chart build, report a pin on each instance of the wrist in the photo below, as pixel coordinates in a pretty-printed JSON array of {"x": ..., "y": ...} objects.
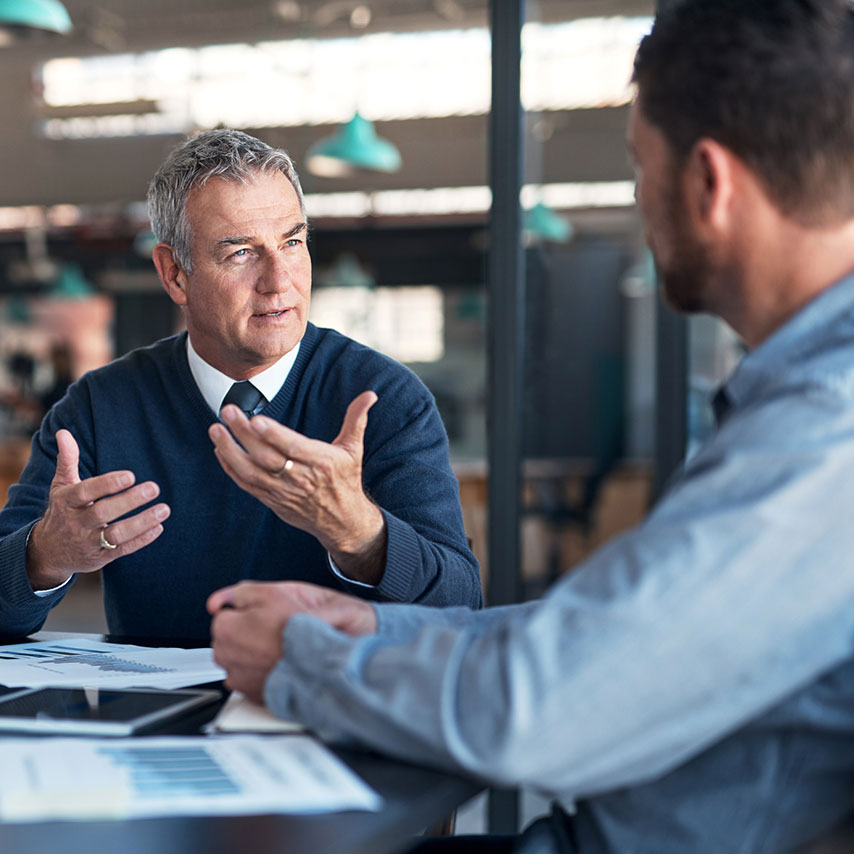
[
  {"x": 360, "y": 553},
  {"x": 39, "y": 573}
]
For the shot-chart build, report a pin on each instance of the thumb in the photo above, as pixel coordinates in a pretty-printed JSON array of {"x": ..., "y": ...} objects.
[
  {"x": 352, "y": 432},
  {"x": 245, "y": 594},
  {"x": 219, "y": 599},
  {"x": 67, "y": 459}
]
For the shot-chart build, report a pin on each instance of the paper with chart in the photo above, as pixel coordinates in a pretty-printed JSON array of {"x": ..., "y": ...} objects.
[
  {"x": 96, "y": 664},
  {"x": 85, "y": 778}
]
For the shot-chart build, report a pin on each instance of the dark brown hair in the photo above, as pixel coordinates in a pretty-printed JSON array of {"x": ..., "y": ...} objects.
[{"x": 773, "y": 81}]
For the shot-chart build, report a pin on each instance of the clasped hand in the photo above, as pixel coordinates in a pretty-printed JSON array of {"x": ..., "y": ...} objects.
[
  {"x": 249, "y": 618},
  {"x": 315, "y": 486},
  {"x": 67, "y": 539}
]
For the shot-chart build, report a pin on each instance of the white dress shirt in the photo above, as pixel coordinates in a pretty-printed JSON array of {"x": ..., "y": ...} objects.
[{"x": 214, "y": 385}]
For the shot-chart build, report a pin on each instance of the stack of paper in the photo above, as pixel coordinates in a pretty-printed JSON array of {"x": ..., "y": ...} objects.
[{"x": 240, "y": 714}]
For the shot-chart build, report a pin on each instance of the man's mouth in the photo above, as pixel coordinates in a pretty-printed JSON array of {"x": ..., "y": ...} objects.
[{"x": 278, "y": 313}]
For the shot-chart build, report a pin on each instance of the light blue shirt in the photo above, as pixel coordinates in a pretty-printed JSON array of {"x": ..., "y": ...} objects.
[{"x": 697, "y": 669}]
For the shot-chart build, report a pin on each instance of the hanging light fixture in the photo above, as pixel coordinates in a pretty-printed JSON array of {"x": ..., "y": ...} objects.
[
  {"x": 541, "y": 222},
  {"x": 22, "y": 19},
  {"x": 71, "y": 284},
  {"x": 355, "y": 145},
  {"x": 346, "y": 271}
]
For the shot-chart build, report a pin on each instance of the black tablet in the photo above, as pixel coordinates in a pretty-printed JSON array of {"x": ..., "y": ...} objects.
[{"x": 96, "y": 711}]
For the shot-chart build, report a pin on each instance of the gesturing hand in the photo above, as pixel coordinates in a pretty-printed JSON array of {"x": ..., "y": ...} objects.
[
  {"x": 249, "y": 618},
  {"x": 315, "y": 486},
  {"x": 67, "y": 539}
]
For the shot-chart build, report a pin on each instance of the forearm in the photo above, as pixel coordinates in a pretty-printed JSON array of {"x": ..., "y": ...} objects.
[
  {"x": 22, "y": 612},
  {"x": 612, "y": 679},
  {"x": 408, "y": 476},
  {"x": 426, "y": 570}
]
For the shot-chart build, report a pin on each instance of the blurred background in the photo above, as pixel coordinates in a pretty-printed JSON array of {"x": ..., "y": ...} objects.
[{"x": 384, "y": 106}]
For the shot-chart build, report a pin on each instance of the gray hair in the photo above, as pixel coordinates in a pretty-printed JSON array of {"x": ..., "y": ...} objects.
[{"x": 220, "y": 153}]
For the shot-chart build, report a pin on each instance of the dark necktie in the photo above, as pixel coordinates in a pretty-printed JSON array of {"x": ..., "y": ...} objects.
[{"x": 244, "y": 395}]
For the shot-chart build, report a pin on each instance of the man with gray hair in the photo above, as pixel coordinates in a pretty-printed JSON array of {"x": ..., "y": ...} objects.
[{"x": 299, "y": 482}]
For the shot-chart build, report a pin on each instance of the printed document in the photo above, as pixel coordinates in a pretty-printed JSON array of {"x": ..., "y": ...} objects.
[
  {"x": 96, "y": 664},
  {"x": 86, "y": 778}
]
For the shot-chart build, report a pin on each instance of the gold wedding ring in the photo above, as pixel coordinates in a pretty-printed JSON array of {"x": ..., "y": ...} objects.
[
  {"x": 105, "y": 543},
  {"x": 287, "y": 465}
]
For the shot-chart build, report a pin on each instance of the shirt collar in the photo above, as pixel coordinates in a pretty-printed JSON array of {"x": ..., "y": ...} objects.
[
  {"x": 214, "y": 384},
  {"x": 809, "y": 328}
]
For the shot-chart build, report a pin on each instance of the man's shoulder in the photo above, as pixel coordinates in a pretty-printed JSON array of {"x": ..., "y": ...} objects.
[
  {"x": 351, "y": 362},
  {"x": 135, "y": 363}
]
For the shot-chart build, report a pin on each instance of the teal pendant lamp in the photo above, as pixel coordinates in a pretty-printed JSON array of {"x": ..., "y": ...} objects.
[
  {"x": 354, "y": 146},
  {"x": 21, "y": 19},
  {"x": 71, "y": 284},
  {"x": 347, "y": 272},
  {"x": 542, "y": 223}
]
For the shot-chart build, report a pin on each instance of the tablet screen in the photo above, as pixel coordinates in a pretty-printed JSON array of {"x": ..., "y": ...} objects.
[{"x": 94, "y": 709}]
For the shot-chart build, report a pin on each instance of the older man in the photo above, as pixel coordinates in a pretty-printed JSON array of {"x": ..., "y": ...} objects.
[
  {"x": 691, "y": 686},
  {"x": 123, "y": 476}
]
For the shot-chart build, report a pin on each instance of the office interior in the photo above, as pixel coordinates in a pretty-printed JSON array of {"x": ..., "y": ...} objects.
[{"x": 401, "y": 252}]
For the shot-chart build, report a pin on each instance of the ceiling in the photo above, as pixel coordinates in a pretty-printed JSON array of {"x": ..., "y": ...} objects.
[
  {"x": 133, "y": 25},
  {"x": 583, "y": 145}
]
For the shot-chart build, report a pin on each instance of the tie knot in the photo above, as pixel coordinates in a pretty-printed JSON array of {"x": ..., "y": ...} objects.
[{"x": 244, "y": 395}]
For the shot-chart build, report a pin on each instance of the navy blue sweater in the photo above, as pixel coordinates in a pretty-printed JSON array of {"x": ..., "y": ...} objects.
[{"x": 144, "y": 412}]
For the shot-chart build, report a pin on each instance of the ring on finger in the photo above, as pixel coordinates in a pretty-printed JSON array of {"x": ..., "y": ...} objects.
[
  {"x": 287, "y": 465},
  {"x": 104, "y": 542}
]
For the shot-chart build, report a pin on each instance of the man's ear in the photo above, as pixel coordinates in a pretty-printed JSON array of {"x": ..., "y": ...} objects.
[
  {"x": 172, "y": 275},
  {"x": 709, "y": 177}
]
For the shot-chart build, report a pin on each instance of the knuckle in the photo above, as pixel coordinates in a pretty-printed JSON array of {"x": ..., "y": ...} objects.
[
  {"x": 326, "y": 468},
  {"x": 255, "y": 478},
  {"x": 100, "y": 514}
]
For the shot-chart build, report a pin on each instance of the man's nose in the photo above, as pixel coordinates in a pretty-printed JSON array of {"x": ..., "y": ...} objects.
[{"x": 276, "y": 275}]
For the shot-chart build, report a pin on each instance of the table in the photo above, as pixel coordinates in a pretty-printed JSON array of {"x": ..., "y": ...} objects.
[{"x": 414, "y": 798}]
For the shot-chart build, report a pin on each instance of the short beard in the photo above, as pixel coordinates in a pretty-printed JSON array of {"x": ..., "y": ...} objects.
[{"x": 684, "y": 283}]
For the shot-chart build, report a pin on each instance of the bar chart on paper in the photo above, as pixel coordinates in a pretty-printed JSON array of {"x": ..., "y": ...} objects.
[
  {"x": 84, "y": 778},
  {"x": 96, "y": 664}
]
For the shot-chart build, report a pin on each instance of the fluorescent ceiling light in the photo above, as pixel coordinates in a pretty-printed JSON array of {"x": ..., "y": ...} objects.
[{"x": 388, "y": 76}]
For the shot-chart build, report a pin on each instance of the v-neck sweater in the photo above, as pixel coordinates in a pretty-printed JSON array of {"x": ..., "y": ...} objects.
[{"x": 144, "y": 412}]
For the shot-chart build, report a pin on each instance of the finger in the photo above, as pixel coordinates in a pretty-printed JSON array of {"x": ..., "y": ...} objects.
[
  {"x": 67, "y": 459},
  {"x": 101, "y": 486},
  {"x": 220, "y": 599},
  {"x": 259, "y": 478},
  {"x": 251, "y": 594},
  {"x": 232, "y": 456},
  {"x": 287, "y": 443},
  {"x": 352, "y": 433},
  {"x": 236, "y": 464},
  {"x": 133, "y": 527},
  {"x": 262, "y": 446},
  {"x": 105, "y": 508},
  {"x": 246, "y": 594},
  {"x": 145, "y": 538}
]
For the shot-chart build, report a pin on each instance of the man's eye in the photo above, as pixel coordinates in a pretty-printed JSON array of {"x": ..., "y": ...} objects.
[
  {"x": 240, "y": 253},
  {"x": 294, "y": 241}
]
